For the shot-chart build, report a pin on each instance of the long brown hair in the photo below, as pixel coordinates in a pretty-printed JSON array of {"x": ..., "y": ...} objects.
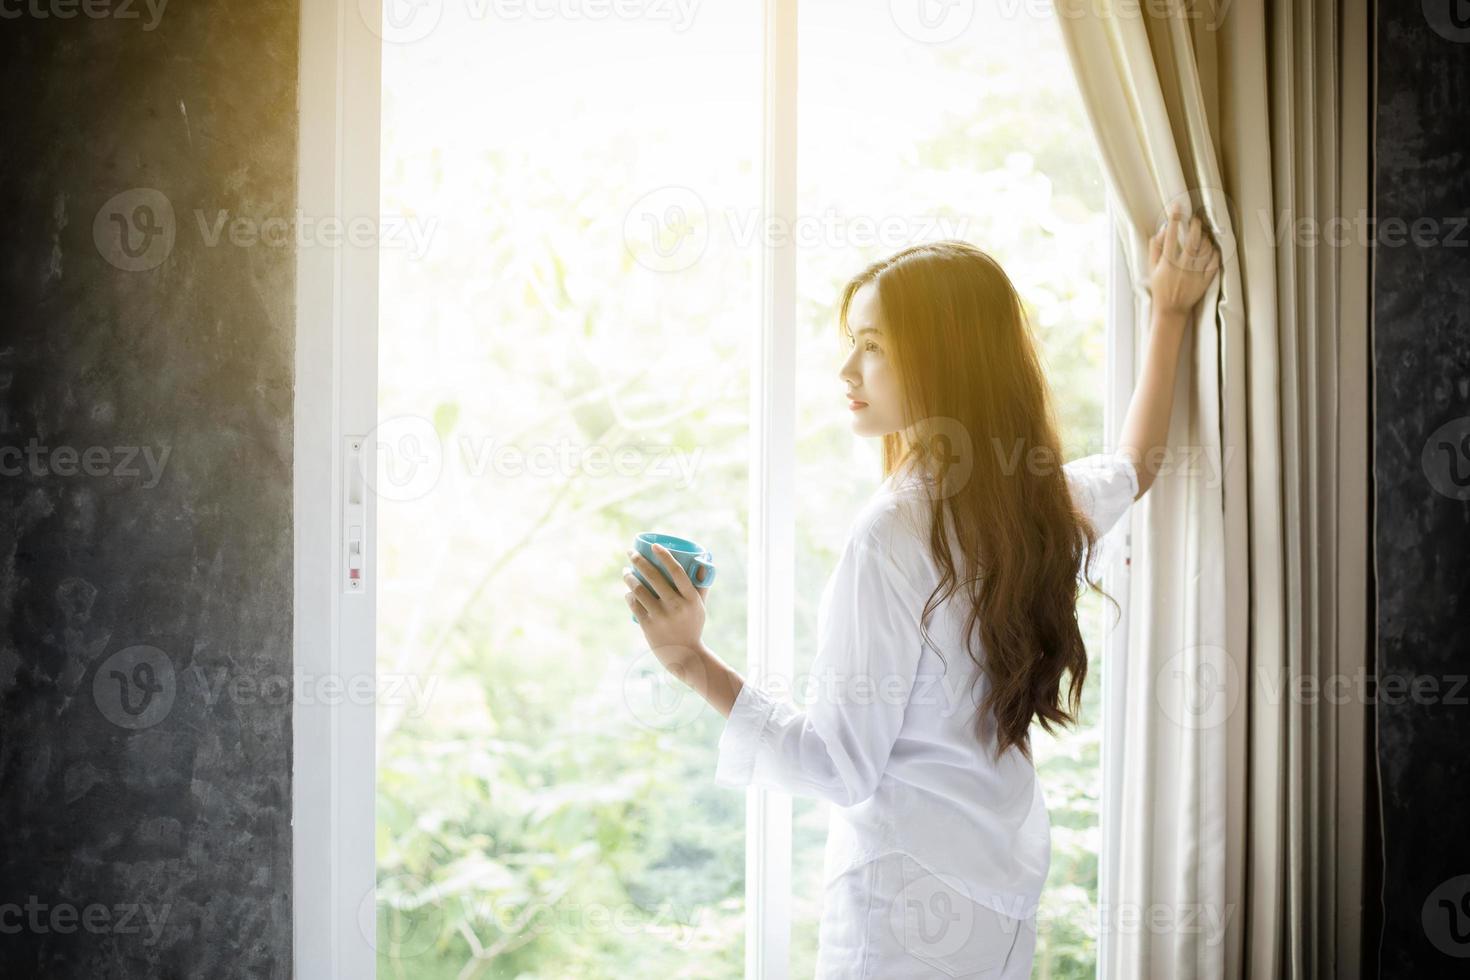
[{"x": 972, "y": 377}]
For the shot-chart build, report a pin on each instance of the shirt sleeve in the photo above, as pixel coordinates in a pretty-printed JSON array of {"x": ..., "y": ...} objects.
[
  {"x": 868, "y": 653},
  {"x": 1104, "y": 485}
]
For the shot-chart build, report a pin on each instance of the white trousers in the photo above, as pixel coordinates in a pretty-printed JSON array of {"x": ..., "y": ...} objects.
[{"x": 891, "y": 918}]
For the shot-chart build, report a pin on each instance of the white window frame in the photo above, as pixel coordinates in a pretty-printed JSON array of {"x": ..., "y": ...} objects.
[
  {"x": 770, "y": 609},
  {"x": 1119, "y": 373},
  {"x": 333, "y": 787},
  {"x": 333, "y": 780}
]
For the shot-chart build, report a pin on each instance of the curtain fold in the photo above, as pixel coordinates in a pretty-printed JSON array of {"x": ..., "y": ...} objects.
[{"x": 1227, "y": 777}]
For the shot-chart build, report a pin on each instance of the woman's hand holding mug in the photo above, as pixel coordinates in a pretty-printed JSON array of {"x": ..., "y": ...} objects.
[{"x": 664, "y": 600}]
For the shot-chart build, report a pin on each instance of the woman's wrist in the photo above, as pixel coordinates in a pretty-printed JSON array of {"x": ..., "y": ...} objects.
[
  {"x": 709, "y": 677},
  {"x": 1170, "y": 318}
]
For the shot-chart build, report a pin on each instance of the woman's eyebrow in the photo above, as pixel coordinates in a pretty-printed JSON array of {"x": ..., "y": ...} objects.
[{"x": 862, "y": 330}]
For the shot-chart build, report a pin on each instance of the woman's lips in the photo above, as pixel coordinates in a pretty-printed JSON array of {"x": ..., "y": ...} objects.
[{"x": 855, "y": 405}]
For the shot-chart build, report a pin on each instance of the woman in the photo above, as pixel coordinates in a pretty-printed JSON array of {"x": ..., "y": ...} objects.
[{"x": 951, "y": 617}]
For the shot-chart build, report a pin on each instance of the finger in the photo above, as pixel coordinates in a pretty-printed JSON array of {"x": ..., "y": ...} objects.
[
  {"x": 1171, "y": 237},
  {"x": 640, "y": 591},
  {"x": 1209, "y": 251},
  {"x": 656, "y": 583},
  {"x": 1156, "y": 246},
  {"x": 1196, "y": 232},
  {"x": 675, "y": 570},
  {"x": 638, "y": 608}
]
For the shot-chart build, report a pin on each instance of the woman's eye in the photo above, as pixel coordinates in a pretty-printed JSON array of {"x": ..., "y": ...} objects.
[{"x": 872, "y": 347}]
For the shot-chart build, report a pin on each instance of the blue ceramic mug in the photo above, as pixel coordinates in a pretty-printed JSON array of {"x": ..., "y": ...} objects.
[{"x": 691, "y": 556}]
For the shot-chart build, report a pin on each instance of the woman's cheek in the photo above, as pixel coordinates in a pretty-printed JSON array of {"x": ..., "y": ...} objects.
[{"x": 885, "y": 387}]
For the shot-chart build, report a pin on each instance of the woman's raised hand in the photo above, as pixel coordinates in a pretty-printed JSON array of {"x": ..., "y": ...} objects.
[{"x": 1181, "y": 263}]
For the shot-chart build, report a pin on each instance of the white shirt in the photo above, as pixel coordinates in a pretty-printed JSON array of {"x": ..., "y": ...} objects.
[{"x": 888, "y": 736}]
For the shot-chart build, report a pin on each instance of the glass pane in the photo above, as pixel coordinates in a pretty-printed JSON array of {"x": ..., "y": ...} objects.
[
  {"x": 564, "y": 363},
  {"x": 914, "y": 131}
]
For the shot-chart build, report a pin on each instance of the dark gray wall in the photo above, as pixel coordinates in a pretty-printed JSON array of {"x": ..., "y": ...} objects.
[
  {"x": 1421, "y": 333},
  {"x": 145, "y": 542}
]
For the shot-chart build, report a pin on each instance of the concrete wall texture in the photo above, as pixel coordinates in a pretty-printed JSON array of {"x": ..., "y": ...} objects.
[
  {"x": 146, "y": 367},
  {"x": 1421, "y": 435}
]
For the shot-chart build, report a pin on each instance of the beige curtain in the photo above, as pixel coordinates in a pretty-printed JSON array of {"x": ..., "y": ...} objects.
[{"x": 1230, "y": 847}]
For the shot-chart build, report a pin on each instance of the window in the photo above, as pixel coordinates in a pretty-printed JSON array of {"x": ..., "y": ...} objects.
[
  {"x": 971, "y": 131},
  {"x": 573, "y": 345},
  {"x": 610, "y": 256}
]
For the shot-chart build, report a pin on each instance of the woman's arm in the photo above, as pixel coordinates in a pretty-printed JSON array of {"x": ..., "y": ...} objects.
[
  {"x": 1179, "y": 275},
  {"x": 1146, "y": 429},
  {"x": 868, "y": 650},
  {"x": 710, "y": 677}
]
